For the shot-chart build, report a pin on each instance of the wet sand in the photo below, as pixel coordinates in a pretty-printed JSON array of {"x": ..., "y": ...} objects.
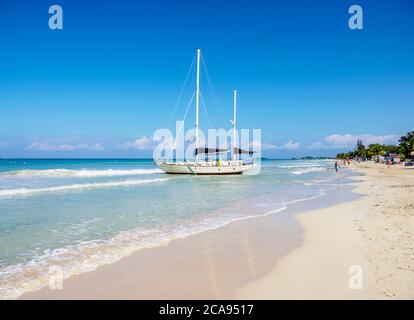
[{"x": 211, "y": 265}]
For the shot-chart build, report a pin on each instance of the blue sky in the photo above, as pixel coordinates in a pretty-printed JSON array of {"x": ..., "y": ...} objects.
[{"x": 101, "y": 86}]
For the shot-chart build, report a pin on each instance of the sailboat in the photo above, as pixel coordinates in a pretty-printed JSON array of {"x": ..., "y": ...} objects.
[{"x": 205, "y": 167}]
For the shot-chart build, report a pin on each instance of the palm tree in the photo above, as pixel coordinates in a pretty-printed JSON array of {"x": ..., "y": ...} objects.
[
  {"x": 360, "y": 148},
  {"x": 375, "y": 150},
  {"x": 407, "y": 144},
  {"x": 391, "y": 148}
]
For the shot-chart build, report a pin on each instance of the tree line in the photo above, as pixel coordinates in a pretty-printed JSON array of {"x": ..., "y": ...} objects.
[{"x": 404, "y": 149}]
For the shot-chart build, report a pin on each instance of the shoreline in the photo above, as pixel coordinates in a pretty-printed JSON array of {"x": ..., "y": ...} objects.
[
  {"x": 303, "y": 252},
  {"x": 253, "y": 243}
]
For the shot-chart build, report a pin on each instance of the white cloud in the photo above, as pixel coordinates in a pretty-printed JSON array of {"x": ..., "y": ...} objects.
[
  {"x": 143, "y": 143},
  {"x": 3, "y": 145},
  {"x": 290, "y": 145},
  {"x": 47, "y": 146},
  {"x": 148, "y": 143},
  {"x": 335, "y": 141},
  {"x": 263, "y": 145}
]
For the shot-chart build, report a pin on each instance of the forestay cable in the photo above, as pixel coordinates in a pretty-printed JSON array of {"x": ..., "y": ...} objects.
[{"x": 181, "y": 93}]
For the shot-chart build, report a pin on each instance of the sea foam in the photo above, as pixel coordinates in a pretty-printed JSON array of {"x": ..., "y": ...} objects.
[
  {"x": 86, "y": 256},
  {"x": 80, "y": 173},
  {"x": 96, "y": 185},
  {"x": 307, "y": 170}
]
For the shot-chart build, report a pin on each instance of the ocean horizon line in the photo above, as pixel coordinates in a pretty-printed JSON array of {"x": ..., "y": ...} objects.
[{"x": 127, "y": 158}]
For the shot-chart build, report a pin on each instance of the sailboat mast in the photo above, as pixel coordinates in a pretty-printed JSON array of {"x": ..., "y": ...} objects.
[
  {"x": 234, "y": 121},
  {"x": 197, "y": 99}
]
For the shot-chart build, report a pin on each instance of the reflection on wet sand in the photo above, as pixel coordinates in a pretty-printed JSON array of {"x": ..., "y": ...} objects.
[{"x": 209, "y": 265}]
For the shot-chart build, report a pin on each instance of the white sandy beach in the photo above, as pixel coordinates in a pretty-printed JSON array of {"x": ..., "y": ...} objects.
[
  {"x": 270, "y": 257},
  {"x": 374, "y": 232}
]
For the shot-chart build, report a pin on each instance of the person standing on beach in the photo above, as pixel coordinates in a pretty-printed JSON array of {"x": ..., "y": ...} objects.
[{"x": 336, "y": 166}]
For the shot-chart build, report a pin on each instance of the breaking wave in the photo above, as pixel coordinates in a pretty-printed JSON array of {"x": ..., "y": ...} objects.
[
  {"x": 96, "y": 185},
  {"x": 307, "y": 170},
  {"x": 20, "y": 278},
  {"x": 81, "y": 173}
]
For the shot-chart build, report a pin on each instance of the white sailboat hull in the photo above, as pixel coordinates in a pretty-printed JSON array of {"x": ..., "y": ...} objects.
[{"x": 205, "y": 168}]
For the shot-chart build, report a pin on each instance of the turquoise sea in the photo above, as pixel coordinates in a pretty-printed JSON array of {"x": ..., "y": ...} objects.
[{"x": 80, "y": 214}]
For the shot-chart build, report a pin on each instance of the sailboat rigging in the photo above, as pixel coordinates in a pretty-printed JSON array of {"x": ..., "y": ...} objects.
[{"x": 205, "y": 167}]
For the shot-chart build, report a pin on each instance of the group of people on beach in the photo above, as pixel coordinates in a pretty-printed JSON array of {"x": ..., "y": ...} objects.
[{"x": 345, "y": 162}]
